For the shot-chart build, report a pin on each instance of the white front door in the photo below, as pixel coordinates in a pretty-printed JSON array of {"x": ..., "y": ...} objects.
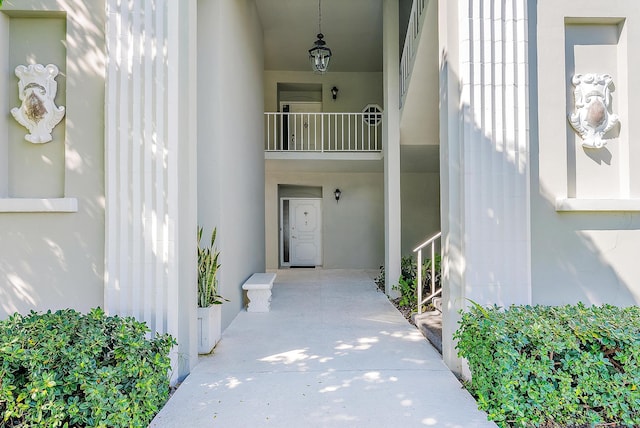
[{"x": 305, "y": 227}]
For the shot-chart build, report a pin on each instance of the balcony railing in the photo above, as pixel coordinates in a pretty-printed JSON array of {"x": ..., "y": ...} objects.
[
  {"x": 411, "y": 45},
  {"x": 323, "y": 132}
]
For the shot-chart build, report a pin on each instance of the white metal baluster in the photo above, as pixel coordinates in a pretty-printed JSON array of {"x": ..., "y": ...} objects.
[
  {"x": 332, "y": 125},
  {"x": 419, "y": 283},
  {"x": 342, "y": 129},
  {"x": 281, "y": 139},
  {"x": 322, "y": 132},
  {"x": 349, "y": 130},
  {"x": 362, "y": 126},
  {"x": 328, "y": 145},
  {"x": 335, "y": 131},
  {"x": 375, "y": 131},
  {"x": 308, "y": 140},
  {"x": 268, "y": 133},
  {"x": 433, "y": 266},
  {"x": 302, "y": 136},
  {"x": 300, "y": 132},
  {"x": 293, "y": 133},
  {"x": 275, "y": 131},
  {"x": 355, "y": 127},
  {"x": 267, "y": 145}
]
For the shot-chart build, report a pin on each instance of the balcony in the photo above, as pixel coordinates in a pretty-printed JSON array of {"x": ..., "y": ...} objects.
[{"x": 324, "y": 132}]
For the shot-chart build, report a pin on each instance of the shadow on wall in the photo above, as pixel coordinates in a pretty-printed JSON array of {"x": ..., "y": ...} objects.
[
  {"x": 56, "y": 260},
  {"x": 575, "y": 257},
  {"x": 583, "y": 257},
  {"x": 48, "y": 270},
  {"x": 84, "y": 36}
]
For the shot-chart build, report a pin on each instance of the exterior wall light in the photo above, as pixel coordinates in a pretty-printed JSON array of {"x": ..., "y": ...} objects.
[
  {"x": 337, "y": 194},
  {"x": 334, "y": 92}
]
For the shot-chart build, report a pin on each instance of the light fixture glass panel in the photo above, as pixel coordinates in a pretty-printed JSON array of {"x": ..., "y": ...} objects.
[{"x": 319, "y": 56}]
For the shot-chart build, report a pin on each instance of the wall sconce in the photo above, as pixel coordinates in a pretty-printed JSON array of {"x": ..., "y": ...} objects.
[
  {"x": 334, "y": 92},
  {"x": 337, "y": 194}
]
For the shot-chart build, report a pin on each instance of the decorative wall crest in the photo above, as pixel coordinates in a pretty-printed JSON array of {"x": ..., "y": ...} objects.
[
  {"x": 37, "y": 90},
  {"x": 592, "y": 117}
]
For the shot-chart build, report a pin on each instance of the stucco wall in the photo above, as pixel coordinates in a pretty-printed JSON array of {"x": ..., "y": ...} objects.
[
  {"x": 353, "y": 229},
  {"x": 54, "y": 260},
  {"x": 355, "y": 90},
  {"x": 420, "y": 208},
  {"x": 585, "y": 254},
  {"x": 230, "y": 153}
]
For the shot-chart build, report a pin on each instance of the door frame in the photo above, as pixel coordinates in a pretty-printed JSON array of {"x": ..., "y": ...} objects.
[{"x": 282, "y": 234}]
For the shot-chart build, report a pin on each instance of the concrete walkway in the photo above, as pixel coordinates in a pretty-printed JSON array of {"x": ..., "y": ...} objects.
[{"x": 333, "y": 352}]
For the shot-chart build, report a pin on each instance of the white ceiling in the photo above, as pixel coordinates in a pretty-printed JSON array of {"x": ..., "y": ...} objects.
[{"x": 351, "y": 28}]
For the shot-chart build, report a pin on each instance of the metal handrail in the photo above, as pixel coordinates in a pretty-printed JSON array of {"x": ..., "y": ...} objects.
[
  {"x": 416, "y": 19},
  {"x": 431, "y": 241}
]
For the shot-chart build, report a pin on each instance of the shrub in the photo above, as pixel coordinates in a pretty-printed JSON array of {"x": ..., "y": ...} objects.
[
  {"x": 69, "y": 369},
  {"x": 408, "y": 278},
  {"x": 550, "y": 366},
  {"x": 380, "y": 280}
]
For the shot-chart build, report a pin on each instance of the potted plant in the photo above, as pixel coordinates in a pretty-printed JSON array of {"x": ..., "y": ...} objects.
[{"x": 209, "y": 301}]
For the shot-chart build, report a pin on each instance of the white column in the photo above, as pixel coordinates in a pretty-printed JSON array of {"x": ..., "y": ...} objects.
[
  {"x": 391, "y": 141},
  {"x": 484, "y": 157},
  {"x": 150, "y": 169}
]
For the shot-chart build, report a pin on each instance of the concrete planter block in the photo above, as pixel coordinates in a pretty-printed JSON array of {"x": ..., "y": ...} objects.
[{"x": 209, "y": 328}]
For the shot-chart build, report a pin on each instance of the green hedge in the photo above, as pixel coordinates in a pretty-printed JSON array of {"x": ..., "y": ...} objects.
[
  {"x": 554, "y": 366},
  {"x": 69, "y": 369}
]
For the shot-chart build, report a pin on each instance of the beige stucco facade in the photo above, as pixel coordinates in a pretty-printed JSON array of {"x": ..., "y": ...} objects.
[
  {"x": 52, "y": 259},
  {"x": 585, "y": 253},
  {"x": 158, "y": 141}
]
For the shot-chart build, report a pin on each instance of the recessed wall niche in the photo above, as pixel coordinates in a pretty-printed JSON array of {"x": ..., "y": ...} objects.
[
  {"x": 595, "y": 46},
  {"x": 31, "y": 170}
]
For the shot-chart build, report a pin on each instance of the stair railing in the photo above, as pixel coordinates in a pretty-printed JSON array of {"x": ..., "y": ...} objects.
[
  {"x": 434, "y": 293},
  {"x": 411, "y": 40}
]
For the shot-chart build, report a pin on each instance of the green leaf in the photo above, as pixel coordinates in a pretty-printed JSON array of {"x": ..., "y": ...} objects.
[
  {"x": 69, "y": 369},
  {"x": 208, "y": 266},
  {"x": 555, "y": 366}
]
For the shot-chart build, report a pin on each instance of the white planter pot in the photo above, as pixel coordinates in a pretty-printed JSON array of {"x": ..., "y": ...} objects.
[{"x": 209, "y": 328}]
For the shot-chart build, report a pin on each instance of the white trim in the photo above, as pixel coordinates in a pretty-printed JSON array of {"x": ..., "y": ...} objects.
[
  {"x": 35, "y": 205},
  {"x": 575, "y": 204}
]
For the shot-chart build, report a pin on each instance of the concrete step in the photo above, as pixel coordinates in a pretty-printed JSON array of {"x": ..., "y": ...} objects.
[{"x": 430, "y": 324}]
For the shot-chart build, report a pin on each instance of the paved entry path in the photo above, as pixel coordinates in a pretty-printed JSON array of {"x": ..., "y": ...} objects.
[{"x": 333, "y": 352}]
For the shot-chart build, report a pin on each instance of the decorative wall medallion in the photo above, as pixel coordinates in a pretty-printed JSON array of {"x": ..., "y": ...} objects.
[
  {"x": 38, "y": 112},
  {"x": 592, "y": 117}
]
